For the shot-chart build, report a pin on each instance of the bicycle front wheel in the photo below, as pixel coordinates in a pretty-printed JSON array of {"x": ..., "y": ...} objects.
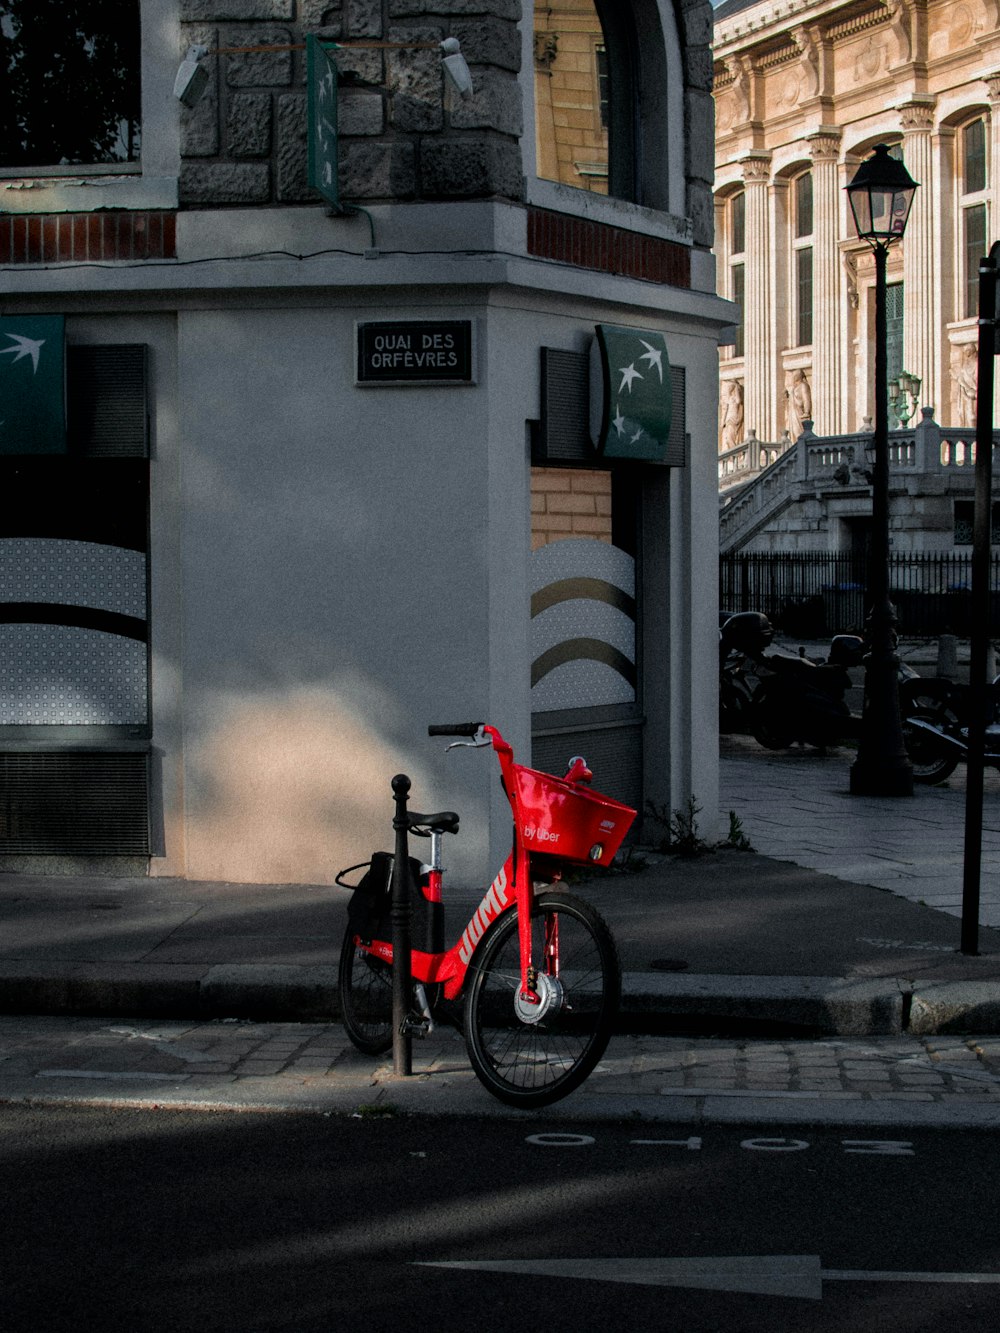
[
  {"x": 364, "y": 984},
  {"x": 526, "y": 1055}
]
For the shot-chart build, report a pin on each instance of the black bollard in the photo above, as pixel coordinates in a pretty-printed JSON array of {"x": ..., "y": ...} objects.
[{"x": 402, "y": 911}]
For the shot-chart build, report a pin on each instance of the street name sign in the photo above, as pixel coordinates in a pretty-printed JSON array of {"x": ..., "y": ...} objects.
[{"x": 415, "y": 352}]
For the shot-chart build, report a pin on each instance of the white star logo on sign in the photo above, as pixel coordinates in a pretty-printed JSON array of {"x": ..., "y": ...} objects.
[
  {"x": 628, "y": 374},
  {"x": 24, "y": 347},
  {"x": 653, "y": 355}
]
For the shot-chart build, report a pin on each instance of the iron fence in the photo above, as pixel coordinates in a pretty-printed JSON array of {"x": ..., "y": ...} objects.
[{"x": 817, "y": 595}]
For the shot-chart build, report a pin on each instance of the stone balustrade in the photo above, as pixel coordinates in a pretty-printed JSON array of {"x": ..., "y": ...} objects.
[{"x": 758, "y": 480}]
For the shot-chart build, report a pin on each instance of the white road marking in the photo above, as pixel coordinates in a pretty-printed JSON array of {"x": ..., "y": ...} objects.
[{"x": 797, "y": 1275}]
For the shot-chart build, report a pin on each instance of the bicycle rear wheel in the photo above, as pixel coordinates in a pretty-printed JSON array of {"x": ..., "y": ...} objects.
[
  {"x": 529, "y": 1056},
  {"x": 364, "y": 984}
]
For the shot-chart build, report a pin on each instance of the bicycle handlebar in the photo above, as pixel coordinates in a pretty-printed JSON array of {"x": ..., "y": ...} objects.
[{"x": 455, "y": 729}]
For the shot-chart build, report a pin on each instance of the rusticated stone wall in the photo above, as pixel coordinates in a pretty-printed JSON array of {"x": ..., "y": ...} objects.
[{"x": 404, "y": 133}]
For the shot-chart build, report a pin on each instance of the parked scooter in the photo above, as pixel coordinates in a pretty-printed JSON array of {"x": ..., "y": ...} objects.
[
  {"x": 937, "y": 731},
  {"x": 791, "y": 698},
  {"x": 737, "y": 673}
]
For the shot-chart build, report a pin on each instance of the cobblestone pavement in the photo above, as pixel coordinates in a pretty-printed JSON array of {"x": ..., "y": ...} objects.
[{"x": 311, "y": 1066}]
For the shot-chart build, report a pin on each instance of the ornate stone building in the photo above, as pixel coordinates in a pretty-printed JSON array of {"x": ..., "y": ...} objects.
[{"x": 804, "y": 91}]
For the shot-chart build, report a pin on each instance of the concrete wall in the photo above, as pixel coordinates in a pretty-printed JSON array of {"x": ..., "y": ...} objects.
[{"x": 335, "y": 566}]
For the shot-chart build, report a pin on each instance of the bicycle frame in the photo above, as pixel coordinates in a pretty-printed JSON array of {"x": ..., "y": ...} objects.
[{"x": 512, "y": 889}]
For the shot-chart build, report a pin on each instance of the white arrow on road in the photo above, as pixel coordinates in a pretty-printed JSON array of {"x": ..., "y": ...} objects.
[{"x": 799, "y": 1275}]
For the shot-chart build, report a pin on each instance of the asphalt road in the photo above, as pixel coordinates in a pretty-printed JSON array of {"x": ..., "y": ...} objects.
[{"x": 145, "y": 1220}]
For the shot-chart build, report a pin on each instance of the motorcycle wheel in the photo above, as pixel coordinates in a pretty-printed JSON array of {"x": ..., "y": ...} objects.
[
  {"x": 931, "y": 760},
  {"x": 733, "y": 706},
  {"x": 768, "y": 731}
]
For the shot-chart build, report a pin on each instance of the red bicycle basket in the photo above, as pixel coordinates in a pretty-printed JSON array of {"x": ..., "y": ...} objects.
[{"x": 569, "y": 821}]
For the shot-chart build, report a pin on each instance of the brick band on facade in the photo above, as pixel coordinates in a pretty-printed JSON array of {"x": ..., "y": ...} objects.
[
  {"x": 62, "y": 238},
  {"x": 594, "y": 245}
]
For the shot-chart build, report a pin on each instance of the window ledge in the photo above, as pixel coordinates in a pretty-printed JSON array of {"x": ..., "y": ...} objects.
[
  {"x": 84, "y": 193},
  {"x": 612, "y": 212}
]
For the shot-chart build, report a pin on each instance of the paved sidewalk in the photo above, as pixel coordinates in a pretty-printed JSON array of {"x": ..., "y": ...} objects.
[
  {"x": 795, "y": 805},
  {"x": 880, "y": 1083}
]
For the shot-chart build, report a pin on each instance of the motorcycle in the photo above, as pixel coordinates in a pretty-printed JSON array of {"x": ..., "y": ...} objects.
[
  {"x": 793, "y": 698},
  {"x": 780, "y": 697},
  {"x": 737, "y": 681},
  {"x": 936, "y": 730}
]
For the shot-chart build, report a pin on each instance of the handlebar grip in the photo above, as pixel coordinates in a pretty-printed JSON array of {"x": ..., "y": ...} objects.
[{"x": 454, "y": 729}]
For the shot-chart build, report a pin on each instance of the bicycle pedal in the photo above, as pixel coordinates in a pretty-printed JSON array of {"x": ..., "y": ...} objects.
[{"x": 415, "y": 1026}]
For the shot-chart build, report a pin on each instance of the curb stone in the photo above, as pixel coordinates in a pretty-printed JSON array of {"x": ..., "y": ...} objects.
[{"x": 820, "y": 1006}]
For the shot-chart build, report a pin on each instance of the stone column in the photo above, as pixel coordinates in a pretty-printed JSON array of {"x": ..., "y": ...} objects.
[
  {"x": 828, "y": 396},
  {"x": 757, "y": 339},
  {"x": 922, "y": 315}
]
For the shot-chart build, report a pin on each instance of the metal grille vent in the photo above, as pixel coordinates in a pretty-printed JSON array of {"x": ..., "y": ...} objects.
[
  {"x": 676, "y": 455},
  {"x": 565, "y": 423},
  {"x": 82, "y": 804},
  {"x": 613, "y": 753},
  {"x": 106, "y": 396}
]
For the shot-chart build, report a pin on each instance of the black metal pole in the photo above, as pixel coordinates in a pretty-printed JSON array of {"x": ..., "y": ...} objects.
[
  {"x": 402, "y": 909},
  {"x": 979, "y": 646},
  {"x": 882, "y": 767}
]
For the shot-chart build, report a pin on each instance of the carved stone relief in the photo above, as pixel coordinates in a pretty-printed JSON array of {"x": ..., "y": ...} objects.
[
  {"x": 798, "y": 401},
  {"x": 964, "y": 380},
  {"x": 731, "y": 430},
  {"x": 869, "y": 60}
]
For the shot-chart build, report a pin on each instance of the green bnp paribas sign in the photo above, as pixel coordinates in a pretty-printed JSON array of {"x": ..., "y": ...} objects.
[
  {"x": 631, "y": 397},
  {"x": 32, "y": 384}
]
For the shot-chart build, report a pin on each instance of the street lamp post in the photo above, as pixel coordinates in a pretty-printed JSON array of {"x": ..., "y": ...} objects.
[{"x": 880, "y": 196}]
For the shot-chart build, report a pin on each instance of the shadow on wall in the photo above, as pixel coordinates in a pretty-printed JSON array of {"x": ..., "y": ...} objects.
[{"x": 290, "y": 788}]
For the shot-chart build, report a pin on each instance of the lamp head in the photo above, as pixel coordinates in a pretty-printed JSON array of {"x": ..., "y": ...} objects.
[
  {"x": 456, "y": 67},
  {"x": 880, "y": 196},
  {"x": 192, "y": 77}
]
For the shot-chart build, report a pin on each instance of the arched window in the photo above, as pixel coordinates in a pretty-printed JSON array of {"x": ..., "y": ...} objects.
[
  {"x": 69, "y": 83},
  {"x": 802, "y": 249},
  {"x": 973, "y": 184},
  {"x": 602, "y": 94}
]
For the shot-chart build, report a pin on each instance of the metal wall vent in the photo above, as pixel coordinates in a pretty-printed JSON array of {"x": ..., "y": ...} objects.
[
  {"x": 614, "y": 754},
  {"x": 677, "y": 440},
  {"x": 564, "y": 434},
  {"x": 106, "y": 397},
  {"x": 82, "y": 804}
]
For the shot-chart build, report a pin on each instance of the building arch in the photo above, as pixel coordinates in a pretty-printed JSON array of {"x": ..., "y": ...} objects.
[
  {"x": 891, "y": 136},
  {"x": 960, "y": 113}
]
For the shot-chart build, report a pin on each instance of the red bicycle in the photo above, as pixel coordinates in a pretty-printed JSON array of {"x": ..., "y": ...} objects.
[{"x": 534, "y": 977}]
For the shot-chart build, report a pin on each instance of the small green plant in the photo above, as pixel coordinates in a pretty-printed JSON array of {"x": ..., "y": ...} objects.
[
  {"x": 375, "y": 1111},
  {"x": 681, "y": 836},
  {"x": 736, "y": 837},
  {"x": 628, "y": 862}
]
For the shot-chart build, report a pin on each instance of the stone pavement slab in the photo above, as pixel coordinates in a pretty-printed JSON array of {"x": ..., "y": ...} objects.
[
  {"x": 882, "y": 1082},
  {"x": 795, "y": 805}
]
